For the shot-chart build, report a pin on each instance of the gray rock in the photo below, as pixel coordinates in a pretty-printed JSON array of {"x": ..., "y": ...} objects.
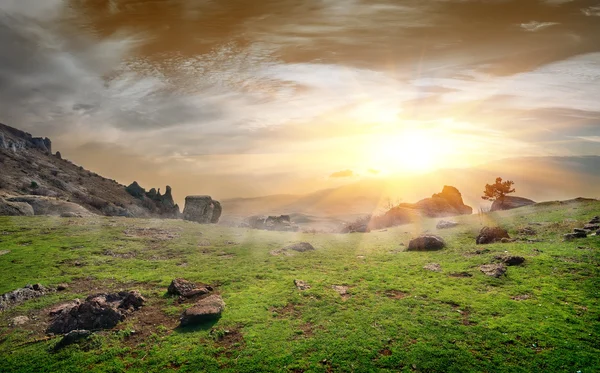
[
  {"x": 426, "y": 243},
  {"x": 491, "y": 235},
  {"x": 202, "y": 209},
  {"x": 591, "y": 227},
  {"x": 574, "y": 235},
  {"x": 51, "y": 206},
  {"x": 8, "y": 208},
  {"x": 206, "y": 309},
  {"x": 511, "y": 260},
  {"x": 301, "y": 285},
  {"x": 21, "y": 295},
  {"x": 511, "y": 202},
  {"x": 493, "y": 270},
  {"x": 188, "y": 289},
  {"x": 445, "y": 224},
  {"x": 300, "y": 247}
]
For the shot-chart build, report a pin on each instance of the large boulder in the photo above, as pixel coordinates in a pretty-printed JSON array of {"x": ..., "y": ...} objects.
[
  {"x": 510, "y": 202},
  {"x": 202, "y": 209},
  {"x": 15, "y": 208},
  {"x": 99, "y": 311},
  {"x": 206, "y": 309},
  {"x": 491, "y": 235},
  {"x": 51, "y": 206},
  {"x": 447, "y": 203},
  {"x": 426, "y": 243}
]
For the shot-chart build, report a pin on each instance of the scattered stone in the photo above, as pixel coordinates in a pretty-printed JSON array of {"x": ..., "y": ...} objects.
[
  {"x": 62, "y": 287},
  {"x": 460, "y": 274},
  {"x": 21, "y": 295},
  {"x": 301, "y": 285},
  {"x": 99, "y": 311},
  {"x": 187, "y": 289},
  {"x": 204, "y": 243},
  {"x": 521, "y": 297},
  {"x": 527, "y": 231},
  {"x": 574, "y": 235},
  {"x": 493, "y": 270},
  {"x": 72, "y": 337},
  {"x": 595, "y": 220},
  {"x": 206, "y": 309},
  {"x": 491, "y": 235},
  {"x": 4, "y": 252},
  {"x": 591, "y": 227},
  {"x": 202, "y": 209},
  {"x": 19, "y": 320},
  {"x": 445, "y": 224},
  {"x": 511, "y": 260},
  {"x": 341, "y": 290},
  {"x": 300, "y": 247},
  {"x": 579, "y": 230},
  {"x": 482, "y": 251},
  {"x": 426, "y": 243},
  {"x": 361, "y": 257},
  {"x": 434, "y": 267},
  {"x": 507, "y": 240}
]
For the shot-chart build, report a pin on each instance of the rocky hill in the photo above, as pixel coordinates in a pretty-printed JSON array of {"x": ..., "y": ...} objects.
[{"x": 31, "y": 174}]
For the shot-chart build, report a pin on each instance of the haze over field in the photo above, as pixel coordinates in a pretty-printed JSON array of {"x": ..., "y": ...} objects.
[{"x": 245, "y": 99}]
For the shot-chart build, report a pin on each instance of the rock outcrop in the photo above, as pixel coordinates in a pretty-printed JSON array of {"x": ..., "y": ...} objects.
[
  {"x": 426, "y": 243},
  {"x": 202, "y": 209},
  {"x": 162, "y": 204},
  {"x": 447, "y": 203},
  {"x": 8, "y": 208},
  {"x": 51, "y": 206},
  {"x": 511, "y": 202}
]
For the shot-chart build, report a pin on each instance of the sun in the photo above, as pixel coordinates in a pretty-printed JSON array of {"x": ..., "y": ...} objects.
[{"x": 409, "y": 150}]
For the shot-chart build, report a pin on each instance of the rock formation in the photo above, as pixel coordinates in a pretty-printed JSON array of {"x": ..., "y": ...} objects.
[
  {"x": 510, "y": 202},
  {"x": 272, "y": 223},
  {"x": 202, "y": 209},
  {"x": 164, "y": 205},
  {"x": 447, "y": 203}
]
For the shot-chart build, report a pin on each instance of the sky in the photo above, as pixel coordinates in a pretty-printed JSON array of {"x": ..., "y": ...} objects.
[{"x": 246, "y": 98}]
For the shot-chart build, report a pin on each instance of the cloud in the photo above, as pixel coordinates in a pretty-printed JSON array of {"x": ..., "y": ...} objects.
[{"x": 345, "y": 173}]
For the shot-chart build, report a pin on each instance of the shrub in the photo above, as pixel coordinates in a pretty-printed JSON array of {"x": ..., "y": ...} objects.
[{"x": 33, "y": 185}]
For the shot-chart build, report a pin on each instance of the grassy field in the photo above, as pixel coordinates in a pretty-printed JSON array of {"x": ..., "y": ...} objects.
[{"x": 544, "y": 316}]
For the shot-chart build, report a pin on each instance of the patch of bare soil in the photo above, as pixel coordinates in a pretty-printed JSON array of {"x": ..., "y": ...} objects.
[
  {"x": 289, "y": 310},
  {"x": 521, "y": 297},
  {"x": 396, "y": 294},
  {"x": 152, "y": 233},
  {"x": 148, "y": 320},
  {"x": 460, "y": 274},
  {"x": 342, "y": 290}
]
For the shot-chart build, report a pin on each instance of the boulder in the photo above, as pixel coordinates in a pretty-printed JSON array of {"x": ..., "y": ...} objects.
[
  {"x": 51, "y": 206},
  {"x": 8, "y": 208},
  {"x": 511, "y": 202},
  {"x": 491, "y": 235},
  {"x": 300, "y": 247},
  {"x": 426, "y": 243},
  {"x": 202, "y": 209},
  {"x": 99, "y": 311},
  {"x": 591, "y": 227},
  {"x": 206, "y": 309},
  {"x": 188, "y": 289},
  {"x": 493, "y": 270},
  {"x": 511, "y": 260},
  {"x": 445, "y": 224},
  {"x": 21, "y": 295}
]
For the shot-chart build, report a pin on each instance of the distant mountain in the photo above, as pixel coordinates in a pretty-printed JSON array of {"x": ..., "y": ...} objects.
[{"x": 537, "y": 178}]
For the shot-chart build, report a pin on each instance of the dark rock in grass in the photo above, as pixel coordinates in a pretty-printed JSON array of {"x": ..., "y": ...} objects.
[
  {"x": 301, "y": 285},
  {"x": 426, "y": 243},
  {"x": 21, "y": 295},
  {"x": 579, "y": 230},
  {"x": 300, "y": 247},
  {"x": 511, "y": 260},
  {"x": 99, "y": 311},
  {"x": 527, "y": 231},
  {"x": 188, "y": 289},
  {"x": 460, "y": 274},
  {"x": 491, "y": 235},
  {"x": 62, "y": 287},
  {"x": 591, "y": 227},
  {"x": 433, "y": 267},
  {"x": 574, "y": 235},
  {"x": 595, "y": 220},
  {"x": 72, "y": 337},
  {"x": 493, "y": 270},
  {"x": 206, "y": 309},
  {"x": 445, "y": 224}
]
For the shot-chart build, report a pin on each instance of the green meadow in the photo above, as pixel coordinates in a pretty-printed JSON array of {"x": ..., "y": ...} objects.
[{"x": 543, "y": 316}]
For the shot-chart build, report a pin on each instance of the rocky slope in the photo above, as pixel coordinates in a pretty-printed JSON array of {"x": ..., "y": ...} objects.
[{"x": 31, "y": 174}]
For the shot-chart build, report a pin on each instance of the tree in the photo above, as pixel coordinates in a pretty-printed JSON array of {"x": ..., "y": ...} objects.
[{"x": 498, "y": 190}]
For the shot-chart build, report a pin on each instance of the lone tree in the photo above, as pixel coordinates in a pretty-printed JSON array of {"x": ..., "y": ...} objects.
[{"x": 498, "y": 190}]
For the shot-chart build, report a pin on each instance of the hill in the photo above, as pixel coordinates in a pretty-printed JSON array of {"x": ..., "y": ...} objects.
[
  {"x": 29, "y": 168},
  {"x": 370, "y": 305}
]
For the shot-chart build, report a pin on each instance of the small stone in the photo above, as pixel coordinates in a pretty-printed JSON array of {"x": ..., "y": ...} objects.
[
  {"x": 62, "y": 287},
  {"x": 206, "y": 309},
  {"x": 301, "y": 285},
  {"x": 19, "y": 320},
  {"x": 493, "y": 270},
  {"x": 341, "y": 289},
  {"x": 4, "y": 252},
  {"x": 491, "y": 234},
  {"x": 188, "y": 289},
  {"x": 572, "y": 236},
  {"x": 434, "y": 267}
]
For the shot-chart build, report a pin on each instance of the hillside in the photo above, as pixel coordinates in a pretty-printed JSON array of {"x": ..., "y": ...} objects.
[
  {"x": 370, "y": 305},
  {"x": 29, "y": 167},
  {"x": 537, "y": 178}
]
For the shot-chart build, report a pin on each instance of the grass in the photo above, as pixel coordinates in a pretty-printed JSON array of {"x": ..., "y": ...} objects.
[{"x": 398, "y": 317}]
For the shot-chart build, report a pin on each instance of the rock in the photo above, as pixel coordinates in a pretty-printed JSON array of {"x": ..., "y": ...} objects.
[
  {"x": 206, "y": 309},
  {"x": 15, "y": 208},
  {"x": 341, "y": 289},
  {"x": 426, "y": 243},
  {"x": 62, "y": 287},
  {"x": 300, "y": 247},
  {"x": 187, "y": 289},
  {"x": 591, "y": 227},
  {"x": 70, "y": 214},
  {"x": 4, "y": 252},
  {"x": 506, "y": 240},
  {"x": 21, "y": 295},
  {"x": 527, "y": 231},
  {"x": 445, "y": 224},
  {"x": 574, "y": 235},
  {"x": 579, "y": 230},
  {"x": 460, "y": 274},
  {"x": 301, "y": 285},
  {"x": 595, "y": 220},
  {"x": 447, "y": 203},
  {"x": 491, "y": 235},
  {"x": 19, "y": 320},
  {"x": 202, "y": 209},
  {"x": 511, "y": 202},
  {"x": 511, "y": 260},
  {"x": 72, "y": 337},
  {"x": 51, "y": 206},
  {"x": 58, "y": 155},
  {"x": 135, "y": 190},
  {"x": 99, "y": 311},
  {"x": 434, "y": 267},
  {"x": 281, "y": 223},
  {"x": 493, "y": 270}
]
